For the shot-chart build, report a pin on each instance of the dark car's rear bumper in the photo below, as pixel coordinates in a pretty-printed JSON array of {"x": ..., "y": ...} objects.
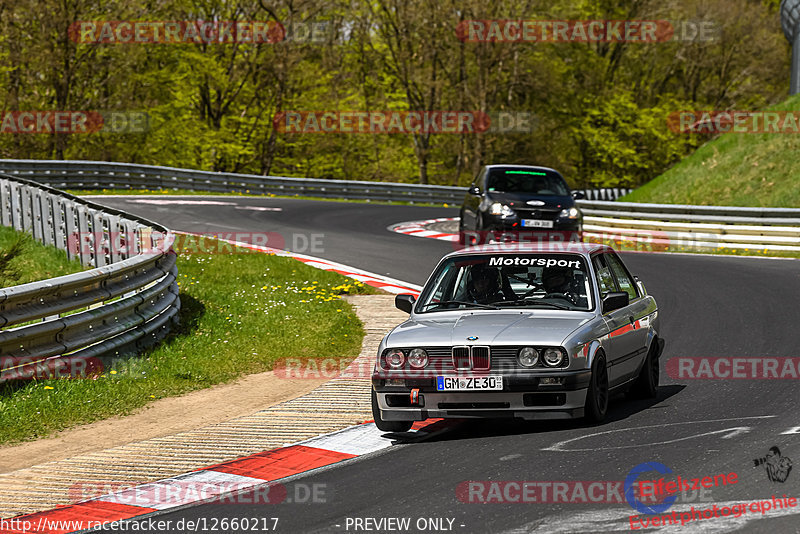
[{"x": 521, "y": 397}]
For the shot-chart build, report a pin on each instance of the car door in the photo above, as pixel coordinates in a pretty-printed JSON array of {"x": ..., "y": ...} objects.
[
  {"x": 627, "y": 338},
  {"x": 606, "y": 284},
  {"x": 621, "y": 348}
]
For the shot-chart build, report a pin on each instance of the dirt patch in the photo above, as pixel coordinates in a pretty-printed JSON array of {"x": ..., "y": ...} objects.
[{"x": 160, "y": 418}]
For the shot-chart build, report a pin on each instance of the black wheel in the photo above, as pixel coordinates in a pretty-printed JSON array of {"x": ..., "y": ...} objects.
[
  {"x": 387, "y": 426},
  {"x": 596, "y": 406},
  {"x": 646, "y": 384}
]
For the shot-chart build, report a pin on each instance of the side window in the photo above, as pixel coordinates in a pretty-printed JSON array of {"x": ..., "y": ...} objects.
[
  {"x": 625, "y": 280},
  {"x": 443, "y": 282},
  {"x": 605, "y": 281}
]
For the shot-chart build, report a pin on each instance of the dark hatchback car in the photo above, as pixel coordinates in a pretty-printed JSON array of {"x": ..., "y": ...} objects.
[{"x": 517, "y": 199}]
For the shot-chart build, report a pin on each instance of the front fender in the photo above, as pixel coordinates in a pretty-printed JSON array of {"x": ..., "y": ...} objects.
[{"x": 594, "y": 348}]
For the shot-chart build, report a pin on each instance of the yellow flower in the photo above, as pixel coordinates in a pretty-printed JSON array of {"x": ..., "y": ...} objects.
[
  {"x": 48, "y": 387},
  {"x": 112, "y": 372}
]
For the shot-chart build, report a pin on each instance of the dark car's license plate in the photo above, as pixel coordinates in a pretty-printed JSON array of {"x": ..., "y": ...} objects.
[{"x": 536, "y": 223}]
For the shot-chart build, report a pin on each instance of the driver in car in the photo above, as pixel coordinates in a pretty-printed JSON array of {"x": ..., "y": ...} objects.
[
  {"x": 484, "y": 286},
  {"x": 558, "y": 281}
]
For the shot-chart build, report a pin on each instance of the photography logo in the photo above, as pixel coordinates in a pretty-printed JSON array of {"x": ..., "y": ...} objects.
[
  {"x": 777, "y": 467},
  {"x": 630, "y": 485}
]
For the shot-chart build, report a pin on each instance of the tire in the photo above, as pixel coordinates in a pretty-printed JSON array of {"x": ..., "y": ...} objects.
[
  {"x": 597, "y": 396},
  {"x": 646, "y": 384},
  {"x": 387, "y": 426}
]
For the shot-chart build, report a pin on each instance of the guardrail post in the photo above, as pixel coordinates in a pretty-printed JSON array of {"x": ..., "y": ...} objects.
[
  {"x": 16, "y": 206},
  {"x": 6, "y": 208},
  {"x": 36, "y": 215},
  {"x": 116, "y": 238},
  {"x": 131, "y": 239},
  {"x": 26, "y": 208},
  {"x": 48, "y": 219},
  {"x": 99, "y": 238},
  {"x": 80, "y": 233},
  {"x": 61, "y": 227}
]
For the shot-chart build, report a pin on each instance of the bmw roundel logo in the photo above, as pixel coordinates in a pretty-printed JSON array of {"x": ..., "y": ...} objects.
[{"x": 472, "y": 338}]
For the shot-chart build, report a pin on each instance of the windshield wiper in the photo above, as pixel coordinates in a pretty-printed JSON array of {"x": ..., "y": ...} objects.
[
  {"x": 532, "y": 302},
  {"x": 462, "y": 302}
]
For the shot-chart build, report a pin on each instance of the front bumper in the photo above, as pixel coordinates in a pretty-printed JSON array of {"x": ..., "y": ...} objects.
[
  {"x": 522, "y": 397},
  {"x": 498, "y": 223}
]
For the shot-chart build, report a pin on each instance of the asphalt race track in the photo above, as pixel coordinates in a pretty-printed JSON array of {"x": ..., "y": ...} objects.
[{"x": 709, "y": 306}]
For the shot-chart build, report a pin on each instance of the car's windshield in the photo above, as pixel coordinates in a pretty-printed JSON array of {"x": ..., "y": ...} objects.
[
  {"x": 513, "y": 281},
  {"x": 520, "y": 180}
]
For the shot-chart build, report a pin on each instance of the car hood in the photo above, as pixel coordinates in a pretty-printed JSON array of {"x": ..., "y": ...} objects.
[
  {"x": 519, "y": 200},
  {"x": 502, "y": 328}
]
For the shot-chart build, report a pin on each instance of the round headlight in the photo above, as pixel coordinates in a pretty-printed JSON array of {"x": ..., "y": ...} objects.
[
  {"x": 553, "y": 357},
  {"x": 418, "y": 358},
  {"x": 395, "y": 358},
  {"x": 570, "y": 213},
  {"x": 528, "y": 356}
]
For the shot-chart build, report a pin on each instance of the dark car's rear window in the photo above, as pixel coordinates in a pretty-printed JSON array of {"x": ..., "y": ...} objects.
[{"x": 533, "y": 181}]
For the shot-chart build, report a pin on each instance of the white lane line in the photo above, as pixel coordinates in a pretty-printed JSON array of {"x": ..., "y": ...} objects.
[
  {"x": 558, "y": 447},
  {"x": 168, "y": 202},
  {"x": 258, "y": 208}
]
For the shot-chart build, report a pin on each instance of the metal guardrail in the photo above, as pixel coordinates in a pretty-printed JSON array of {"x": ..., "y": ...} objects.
[
  {"x": 685, "y": 227},
  {"x": 105, "y": 175},
  {"x": 126, "y": 301}
]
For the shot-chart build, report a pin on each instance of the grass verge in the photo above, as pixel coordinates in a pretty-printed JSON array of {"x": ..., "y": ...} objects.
[
  {"x": 241, "y": 312},
  {"x": 735, "y": 169},
  {"x": 23, "y": 259}
]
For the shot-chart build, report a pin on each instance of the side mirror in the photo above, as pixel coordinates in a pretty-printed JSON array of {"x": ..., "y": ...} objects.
[
  {"x": 614, "y": 301},
  {"x": 406, "y": 302},
  {"x": 578, "y": 195},
  {"x": 475, "y": 190}
]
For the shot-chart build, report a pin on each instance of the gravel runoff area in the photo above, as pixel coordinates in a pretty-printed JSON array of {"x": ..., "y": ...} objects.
[{"x": 334, "y": 405}]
